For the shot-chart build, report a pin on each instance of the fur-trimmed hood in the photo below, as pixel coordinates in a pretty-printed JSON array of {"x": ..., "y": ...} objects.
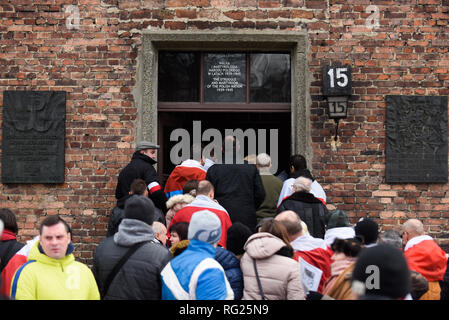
[{"x": 180, "y": 198}]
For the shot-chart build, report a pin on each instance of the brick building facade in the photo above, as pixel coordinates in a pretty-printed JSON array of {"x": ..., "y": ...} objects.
[{"x": 394, "y": 48}]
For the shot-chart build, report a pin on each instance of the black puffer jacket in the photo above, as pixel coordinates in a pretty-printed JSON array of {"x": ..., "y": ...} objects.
[
  {"x": 139, "y": 278},
  {"x": 309, "y": 209},
  {"x": 140, "y": 167},
  {"x": 239, "y": 189},
  {"x": 7, "y": 250}
]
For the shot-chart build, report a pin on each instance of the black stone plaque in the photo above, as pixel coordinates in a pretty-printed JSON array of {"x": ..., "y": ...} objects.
[
  {"x": 416, "y": 139},
  {"x": 337, "y": 80},
  {"x": 33, "y": 136},
  {"x": 225, "y": 77}
]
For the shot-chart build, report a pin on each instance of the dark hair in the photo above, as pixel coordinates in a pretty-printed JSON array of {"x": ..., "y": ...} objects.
[
  {"x": 190, "y": 186},
  {"x": 420, "y": 285},
  {"x": 9, "y": 220},
  {"x": 350, "y": 247},
  {"x": 298, "y": 162},
  {"x": 181, "y": 228},
  {"x": 138, "y": 186},
  {"x": 204, "y": 187},
  {"x": 54, "y": 220},
  {"x": 277, "y": 229}
]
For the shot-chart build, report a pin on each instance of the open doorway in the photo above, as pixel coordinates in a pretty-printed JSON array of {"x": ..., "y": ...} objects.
[{"x": 276, "y": 124}]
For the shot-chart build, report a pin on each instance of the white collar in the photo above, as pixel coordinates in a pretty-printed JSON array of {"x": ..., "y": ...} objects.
[{"x": 414, "y": 241}]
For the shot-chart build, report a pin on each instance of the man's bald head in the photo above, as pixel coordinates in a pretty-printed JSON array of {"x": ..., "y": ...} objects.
[
  {"x": 292, "y": 222},
  {"x": 414, "y": 227}
]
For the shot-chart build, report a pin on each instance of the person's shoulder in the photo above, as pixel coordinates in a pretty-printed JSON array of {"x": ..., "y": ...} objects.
[
  {"x": 153, "y": 249},
  {"x": 106, "y": 242},
  {"x": 82, "y": 266},
  {"x": 31, "y": 267}
]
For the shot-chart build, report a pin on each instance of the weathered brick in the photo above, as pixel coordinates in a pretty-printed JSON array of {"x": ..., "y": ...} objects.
[{"x": 97, "y": 66}]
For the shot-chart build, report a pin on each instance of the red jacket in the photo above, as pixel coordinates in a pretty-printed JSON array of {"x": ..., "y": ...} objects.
[
  {"x": 187, "y": 170},
  {"x": 423, "y": 255},
  {"x": 315, "y": 252},
  {"x": 204, "y": 203},
  {"x": 16, "y": 261}
]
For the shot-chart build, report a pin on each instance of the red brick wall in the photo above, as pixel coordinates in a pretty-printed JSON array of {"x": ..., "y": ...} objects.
[{"x": 96, "y": 65}]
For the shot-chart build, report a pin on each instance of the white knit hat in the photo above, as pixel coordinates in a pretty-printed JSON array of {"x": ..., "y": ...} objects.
[{"x": 205, "y": 226}]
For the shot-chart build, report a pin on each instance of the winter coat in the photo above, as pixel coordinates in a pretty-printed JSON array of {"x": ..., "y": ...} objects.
[
  {"x": 279, "y": 275},
  {"x": 19, "y": 259},
  {"x": 338, "y": 233},
  {"x": 287, "y": 188},
  {"x": 176, "y": 203},
  {"x": 341, "y": 288},
  {"x": 187, "y": 170},
  {"x": 8, "y": 247},
  {"x": 138, "y": 279},
  {"x": 231, "y": 266},
  {"x": 337, "y": 267},
  {"x": 195, "y": 275},
  {"x": 314, "y": 251},
  {"x": 309, "y": 209},
  {"x": 140, "y": 167},
  {"x": 272, "y": 186},
  {"x": 239, "y": 189},
  {"x": 200, "y": 203},
  {"x": 118, "y": 214},
  {"x": 425, "y": 256},
  {"x": 45, "y": 278}
]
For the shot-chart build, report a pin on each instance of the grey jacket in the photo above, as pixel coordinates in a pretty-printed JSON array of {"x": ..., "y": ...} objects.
[{"x": 139, "y": 277}]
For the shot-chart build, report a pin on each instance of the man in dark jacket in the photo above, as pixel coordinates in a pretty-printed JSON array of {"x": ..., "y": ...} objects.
[
  {"x": 139, "y": 277},
  {"x": 309, "y": 209},
  {"x": 8, "y": 244},
  {"x": 238, "y": 187},
  {"x": 141, "y": 167}
]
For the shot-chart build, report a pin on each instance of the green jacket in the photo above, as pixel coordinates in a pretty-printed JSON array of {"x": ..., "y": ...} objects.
[
  {"x": 45, "y": 278},
  {"x": 273, "y": 187}
]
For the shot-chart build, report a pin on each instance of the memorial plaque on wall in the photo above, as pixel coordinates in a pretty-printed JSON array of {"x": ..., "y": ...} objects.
[
  {"x": 416, "y": 139},
  {"x": 225, "y": 77},
  {"x": 33, "y": 136}
]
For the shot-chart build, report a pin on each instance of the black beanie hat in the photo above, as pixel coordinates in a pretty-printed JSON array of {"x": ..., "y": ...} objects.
[
  {"x": 381, "y": 271},
  {"x": 368, "y": 229},
  {"x": 140, "y": 208},
  {"x": 237, "y": 235}
]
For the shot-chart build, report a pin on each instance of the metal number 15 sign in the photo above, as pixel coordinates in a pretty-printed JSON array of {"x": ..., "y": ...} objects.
[{"x": 337, "y": 80}]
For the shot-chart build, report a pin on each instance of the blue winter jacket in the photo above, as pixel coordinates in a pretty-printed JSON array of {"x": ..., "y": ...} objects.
[
  {"x": 195, "y": 275},
  {"x": 231, "y": 266}
]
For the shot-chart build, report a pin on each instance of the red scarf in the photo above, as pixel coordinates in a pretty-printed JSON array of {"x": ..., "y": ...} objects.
[{"x": 8, "y": 235}]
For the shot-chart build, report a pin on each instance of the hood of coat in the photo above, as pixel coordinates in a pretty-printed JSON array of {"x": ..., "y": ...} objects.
[
  {"x": 37, "y": 254},
  {"x": 263, "y": 245},
  {"x": 132, "y": 231}
]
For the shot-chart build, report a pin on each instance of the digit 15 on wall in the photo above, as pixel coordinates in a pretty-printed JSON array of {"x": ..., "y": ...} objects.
[
  {"x": 337, "y": 87},
  {"x": 337, "y": 80}
]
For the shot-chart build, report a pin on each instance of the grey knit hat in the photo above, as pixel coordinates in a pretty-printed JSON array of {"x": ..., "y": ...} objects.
[
  {"x": 205, "y": 226},
  {"x": 140, "y": 208}
]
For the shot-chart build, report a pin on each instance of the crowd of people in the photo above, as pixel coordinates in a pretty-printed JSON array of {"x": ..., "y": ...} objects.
[{"x": 224, "y": 231}]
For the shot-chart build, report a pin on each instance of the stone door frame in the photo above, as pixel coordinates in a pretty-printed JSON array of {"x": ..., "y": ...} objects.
[{"x": 295, "y": 42}]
